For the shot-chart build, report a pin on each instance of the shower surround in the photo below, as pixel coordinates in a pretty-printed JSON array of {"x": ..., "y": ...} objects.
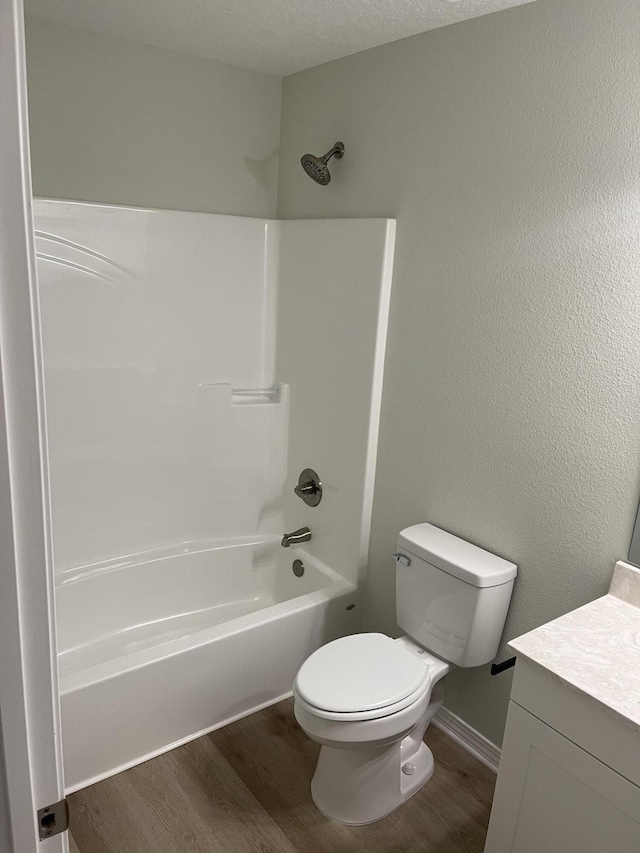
[{"x": 194, "y": 365}]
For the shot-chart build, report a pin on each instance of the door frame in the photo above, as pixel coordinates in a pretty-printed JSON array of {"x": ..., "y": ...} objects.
[{"x": 29, "y": 696}]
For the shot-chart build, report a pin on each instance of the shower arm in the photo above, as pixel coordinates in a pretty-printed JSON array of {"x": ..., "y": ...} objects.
[{"x": 337, "y": 151}]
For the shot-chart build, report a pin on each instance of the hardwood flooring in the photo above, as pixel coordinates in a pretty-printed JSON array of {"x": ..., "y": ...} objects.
[{"x": 245, "y": 789}]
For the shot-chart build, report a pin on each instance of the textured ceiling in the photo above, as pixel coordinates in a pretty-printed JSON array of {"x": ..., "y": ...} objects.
[{"x": 274, "y": 36}]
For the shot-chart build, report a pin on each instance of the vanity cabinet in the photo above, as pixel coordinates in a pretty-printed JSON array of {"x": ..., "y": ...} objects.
[
  {"x": 554, "y": 797},
  {"x": 569, "y": 778}
]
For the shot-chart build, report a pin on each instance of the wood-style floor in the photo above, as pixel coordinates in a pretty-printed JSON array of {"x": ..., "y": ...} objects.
[{"x": 245, "y": 789}]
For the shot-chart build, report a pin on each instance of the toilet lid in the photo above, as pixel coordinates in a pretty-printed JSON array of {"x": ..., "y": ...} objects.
[{"x": 362, "y": 672}]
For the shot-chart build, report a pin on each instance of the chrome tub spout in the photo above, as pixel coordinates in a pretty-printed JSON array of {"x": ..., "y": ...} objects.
[{"x": 302, "y": 535}]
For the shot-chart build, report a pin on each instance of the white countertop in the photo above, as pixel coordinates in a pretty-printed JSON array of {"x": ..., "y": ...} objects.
[{"x": 596, "y": 648}]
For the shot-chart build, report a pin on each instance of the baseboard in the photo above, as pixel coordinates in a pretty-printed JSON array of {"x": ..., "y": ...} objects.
[{"x": 475, "y": 743}]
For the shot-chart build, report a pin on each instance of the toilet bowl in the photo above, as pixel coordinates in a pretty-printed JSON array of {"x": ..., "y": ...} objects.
[{"x": 368, "y": 699}]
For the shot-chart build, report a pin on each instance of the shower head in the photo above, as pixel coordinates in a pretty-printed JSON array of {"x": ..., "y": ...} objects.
[{"x": 317, "y": 168}]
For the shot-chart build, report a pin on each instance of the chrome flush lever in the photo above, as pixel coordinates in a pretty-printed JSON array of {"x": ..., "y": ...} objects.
[{"x": 400, "y": 558}]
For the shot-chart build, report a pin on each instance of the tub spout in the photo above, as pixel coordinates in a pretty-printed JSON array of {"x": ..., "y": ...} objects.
[{"x": 302, "y": 535}]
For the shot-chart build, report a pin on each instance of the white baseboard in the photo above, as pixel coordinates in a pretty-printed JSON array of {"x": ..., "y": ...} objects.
[{"x": 475, "y": 743}]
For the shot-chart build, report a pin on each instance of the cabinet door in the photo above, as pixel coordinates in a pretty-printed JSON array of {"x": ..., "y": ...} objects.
[{"x": 553, "y": 797}]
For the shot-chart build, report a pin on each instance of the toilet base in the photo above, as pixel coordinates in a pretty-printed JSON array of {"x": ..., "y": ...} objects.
[{"x": 359, "y": 786}]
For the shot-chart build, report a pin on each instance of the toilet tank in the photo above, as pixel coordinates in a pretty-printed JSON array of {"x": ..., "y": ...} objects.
[{"x": 452, "y": 597}]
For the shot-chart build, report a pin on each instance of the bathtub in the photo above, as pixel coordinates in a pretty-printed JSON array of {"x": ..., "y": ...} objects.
[{"x": 160, "y": 648}]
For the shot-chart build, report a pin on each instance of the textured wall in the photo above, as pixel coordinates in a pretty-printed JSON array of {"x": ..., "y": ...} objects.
[
  {"x": 124, "y": 123},
  {"x": 508, "y": 148}
]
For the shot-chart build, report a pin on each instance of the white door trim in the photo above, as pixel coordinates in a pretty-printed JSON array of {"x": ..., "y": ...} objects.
[{"x": 29, "y": 713}]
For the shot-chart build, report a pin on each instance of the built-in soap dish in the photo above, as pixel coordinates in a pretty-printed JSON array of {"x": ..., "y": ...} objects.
[
  {"x": 248, "y": 396},
  {"x": 253, "y": 396}
]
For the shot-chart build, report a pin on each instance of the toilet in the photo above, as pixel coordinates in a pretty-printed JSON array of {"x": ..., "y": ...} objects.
[{"x": 367, "y": 699}]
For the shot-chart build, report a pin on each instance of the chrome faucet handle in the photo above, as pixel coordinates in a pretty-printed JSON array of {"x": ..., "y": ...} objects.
[{"x": 309, "y": 488}]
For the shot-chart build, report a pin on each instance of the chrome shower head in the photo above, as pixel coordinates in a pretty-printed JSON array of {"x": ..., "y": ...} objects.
[{"x": 317, "y": 168}]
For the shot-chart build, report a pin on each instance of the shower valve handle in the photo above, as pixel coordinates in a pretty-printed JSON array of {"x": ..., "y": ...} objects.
[
  {"x": 309, "y": 488},
  {"x": 305, "y": 489}
]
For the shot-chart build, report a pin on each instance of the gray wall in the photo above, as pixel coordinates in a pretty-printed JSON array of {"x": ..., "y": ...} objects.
[
  {"x": 124, "y": 123},
  {"x": 508, "y": 148}
]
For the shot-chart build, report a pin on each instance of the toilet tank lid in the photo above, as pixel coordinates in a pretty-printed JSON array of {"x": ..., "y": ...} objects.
[{"x": 455, "y": 556}]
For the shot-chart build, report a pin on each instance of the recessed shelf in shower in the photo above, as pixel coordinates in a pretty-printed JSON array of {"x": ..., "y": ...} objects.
[{"x": 249, "y": 396}]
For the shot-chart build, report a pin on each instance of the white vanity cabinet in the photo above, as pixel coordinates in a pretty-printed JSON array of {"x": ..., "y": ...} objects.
[
  {"x": 569, "y": 778},
  {"x": 553, "y": 797}
]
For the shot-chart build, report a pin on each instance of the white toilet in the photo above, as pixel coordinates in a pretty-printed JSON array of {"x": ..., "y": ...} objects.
[{"x": 368, "y": 699}]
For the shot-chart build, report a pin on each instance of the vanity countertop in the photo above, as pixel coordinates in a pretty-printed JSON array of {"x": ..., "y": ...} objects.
[{"x": 596, "y": 648}]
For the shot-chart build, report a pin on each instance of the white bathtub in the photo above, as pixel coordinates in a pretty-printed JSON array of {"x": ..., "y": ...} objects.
[{"x": 158, "y": 649}]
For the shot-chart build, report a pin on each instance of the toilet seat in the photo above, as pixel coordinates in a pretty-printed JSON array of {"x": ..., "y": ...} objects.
[
  {"x": 356, "y": 716},
  {"x": 361, "y": 677}
]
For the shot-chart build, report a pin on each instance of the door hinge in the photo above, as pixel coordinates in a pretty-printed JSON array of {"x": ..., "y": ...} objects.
[{"x": 54, "y": 819}]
